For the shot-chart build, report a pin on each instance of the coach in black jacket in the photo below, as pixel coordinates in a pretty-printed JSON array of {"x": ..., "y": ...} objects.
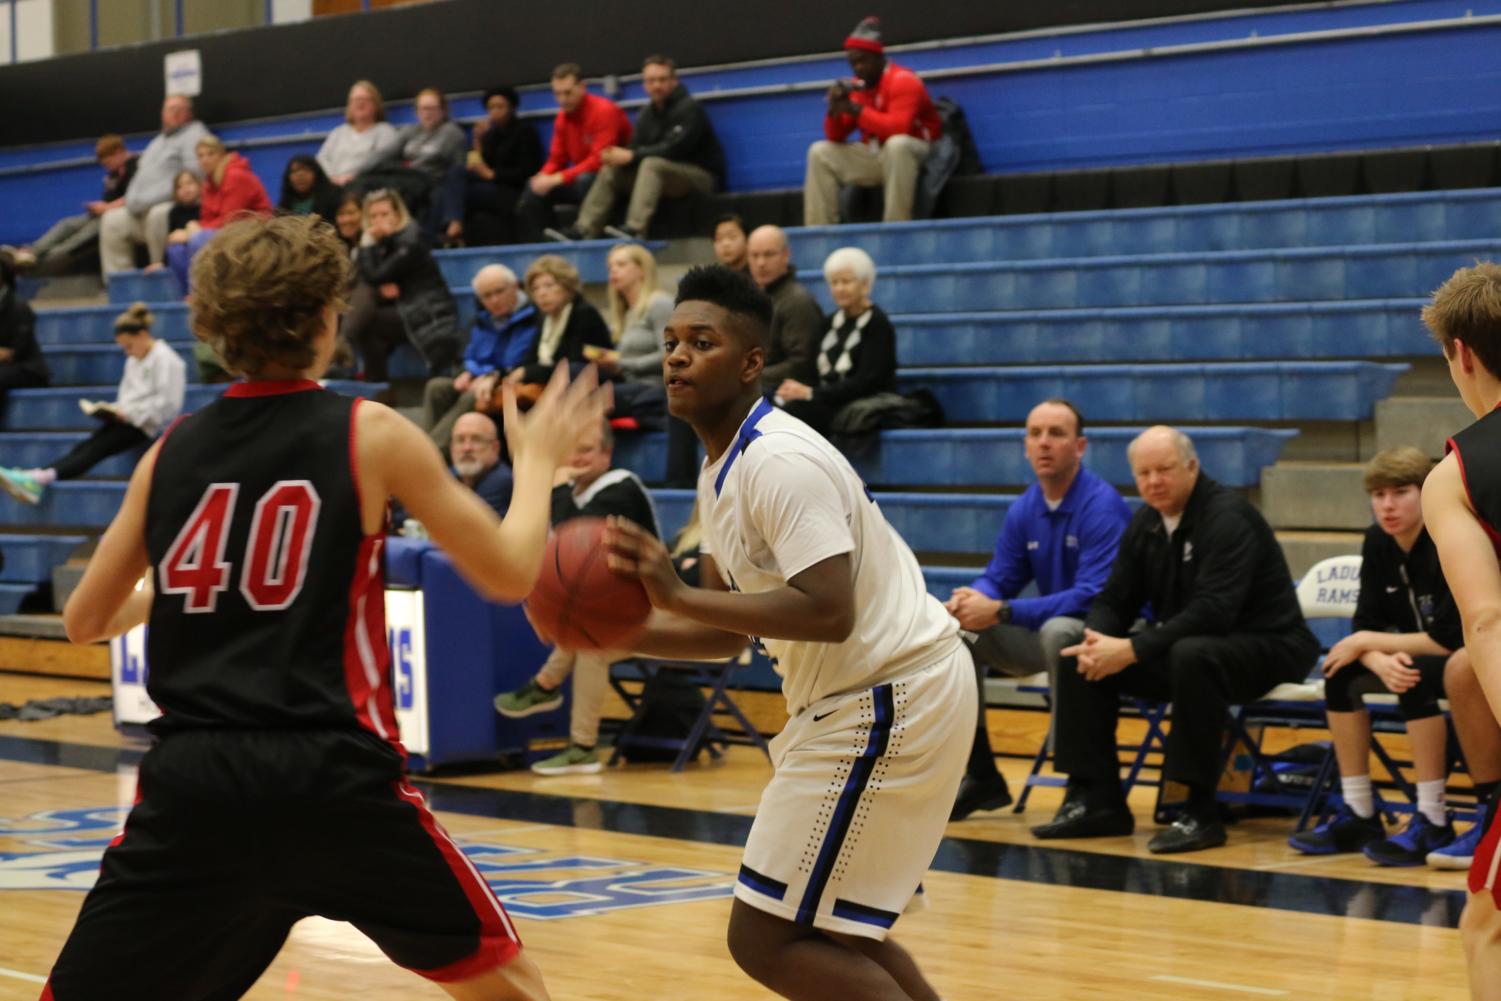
[
  {"x": 673, "y": 153},
  {"x": 1224, "y": 627}
]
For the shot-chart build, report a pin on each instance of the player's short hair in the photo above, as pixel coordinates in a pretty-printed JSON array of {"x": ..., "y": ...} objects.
[
  {"x": 1404, "y": 466},
  {"x": 108, "y": 144},
  {"x": 260, "y": 287},
  {"x": 737, "y": 295},
  {"x": 564, "y": 71},
  {"x": 1058, "y": 401},
  {"x": 1467, "y": 308}
]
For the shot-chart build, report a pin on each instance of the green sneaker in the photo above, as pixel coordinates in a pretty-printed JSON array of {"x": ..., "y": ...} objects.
[
  {"x": 528, "y": 700},
  {"x": 21, "y": 485},
  {"x": 575, "y": 760}
]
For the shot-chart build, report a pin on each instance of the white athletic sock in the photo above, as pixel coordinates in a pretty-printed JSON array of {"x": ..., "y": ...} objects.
[
  {"x": 1431, "y": 801},
  {"x": 45, "y": 477},
  {"x": 1357, "y": 793}
]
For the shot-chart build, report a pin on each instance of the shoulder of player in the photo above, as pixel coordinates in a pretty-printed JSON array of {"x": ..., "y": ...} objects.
[
  {"x": 379, "y": 430},
  {"x": 783, "y": 451}
]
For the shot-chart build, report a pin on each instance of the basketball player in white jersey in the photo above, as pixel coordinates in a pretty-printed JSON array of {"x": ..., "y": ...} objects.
[{"x": 879, "y": 686}]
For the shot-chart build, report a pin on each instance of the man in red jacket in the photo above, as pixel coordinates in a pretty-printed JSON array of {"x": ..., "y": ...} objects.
[
  {"x": 585, "y": 126},
  {"x": 897, "y": 120}
]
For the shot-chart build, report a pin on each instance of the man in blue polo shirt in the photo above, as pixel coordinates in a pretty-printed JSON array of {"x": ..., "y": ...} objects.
[{"x": 1062, "y": 533}]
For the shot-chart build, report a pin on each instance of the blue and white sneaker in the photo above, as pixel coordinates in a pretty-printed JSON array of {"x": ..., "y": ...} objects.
[
  {"x": 1412, "y": 846},
  {"x": 1343, "y": 832},
  {"x": 1459, "y": 853}
]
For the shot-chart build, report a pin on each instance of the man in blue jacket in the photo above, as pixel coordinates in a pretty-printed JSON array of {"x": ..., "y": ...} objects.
[
  {"x": 1062, "y": 533},
  {"x": 504, "y": 329}
]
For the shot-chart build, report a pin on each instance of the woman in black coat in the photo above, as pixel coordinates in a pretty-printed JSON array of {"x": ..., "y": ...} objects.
[
  {"x": 857, "y": 357},
  {"x": 21, "y": 363},
  {"x": 400, "y": 295},
  {"x": 506, "y": 153}
]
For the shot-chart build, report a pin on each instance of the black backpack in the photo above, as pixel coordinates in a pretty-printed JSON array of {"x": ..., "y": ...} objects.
[{"x": 956, "y": 127}]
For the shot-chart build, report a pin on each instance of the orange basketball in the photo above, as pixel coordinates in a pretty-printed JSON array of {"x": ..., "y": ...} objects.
[{"x": 579, "y": 602}]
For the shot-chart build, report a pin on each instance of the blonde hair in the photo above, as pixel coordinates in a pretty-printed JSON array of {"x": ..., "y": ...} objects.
[
  {"x": 136, "y": 319},
  {"x": 391, "y": 197},
  {"x": 260, "y": 287},
  {"x": 558, "y": 269},
  {"x": 621, "y": 313},
  {"x": 214, "y": 143},
  {"x": 374, "y": 92},
  {"x": 1467, "y": 308},
  {"x": 1404, "y": 466}
]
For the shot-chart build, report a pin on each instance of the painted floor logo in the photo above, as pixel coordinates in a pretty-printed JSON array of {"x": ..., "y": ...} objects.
[{"x": 531, "y": 882}]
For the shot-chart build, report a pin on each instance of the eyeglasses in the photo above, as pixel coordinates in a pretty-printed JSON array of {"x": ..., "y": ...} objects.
[{"x": 473, "y": 439}]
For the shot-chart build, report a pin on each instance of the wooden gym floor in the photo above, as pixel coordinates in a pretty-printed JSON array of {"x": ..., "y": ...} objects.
[{"x": 619, "y": 884}]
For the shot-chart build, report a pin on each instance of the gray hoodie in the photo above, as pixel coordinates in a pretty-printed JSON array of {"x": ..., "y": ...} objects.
[{"x": 164, "y": 158}]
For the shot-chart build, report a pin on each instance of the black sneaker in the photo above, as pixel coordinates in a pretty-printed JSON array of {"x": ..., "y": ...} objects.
[
  {"x": 1344, "y": 832},
  {"x": 1412, "y": 846},
  {"x": 980, "y": 794}
]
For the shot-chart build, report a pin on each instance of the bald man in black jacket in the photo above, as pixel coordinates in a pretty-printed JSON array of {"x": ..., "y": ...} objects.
[{"x": 1224, "y": 628}]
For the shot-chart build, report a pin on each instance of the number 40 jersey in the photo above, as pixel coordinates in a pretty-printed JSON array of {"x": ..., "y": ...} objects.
[{"x": 269, "y": 608}]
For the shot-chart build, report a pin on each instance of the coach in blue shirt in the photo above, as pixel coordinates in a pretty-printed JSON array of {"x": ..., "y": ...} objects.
[{"x": 1062, "y": 533}]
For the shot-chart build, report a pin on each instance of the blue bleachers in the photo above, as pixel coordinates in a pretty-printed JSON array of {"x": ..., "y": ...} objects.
[
  {"x": 32, "y": 449},
  {"x": 95, "y": 325},
  {"x": 1236, "y": 391},
  {"x": 30, "y": 558},
  {"x": 986, "y": 457},
  {"x": 57, "y": 409}
]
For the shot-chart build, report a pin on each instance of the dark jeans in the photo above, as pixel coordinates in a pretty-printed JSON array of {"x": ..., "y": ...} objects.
[
  {"x": 1202, "y": 676},
  {"x": 109, "y": 438},
  {"x": 374, "y": 328},
  {"x": 535, "y": 214},
  {"x": 489, "y": 212}
]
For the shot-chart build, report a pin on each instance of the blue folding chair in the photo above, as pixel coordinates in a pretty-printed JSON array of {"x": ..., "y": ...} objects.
[{"x": 714, "y": 676}]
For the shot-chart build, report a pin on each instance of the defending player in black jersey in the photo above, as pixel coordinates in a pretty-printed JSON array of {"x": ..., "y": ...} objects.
[
  {"x": 1462, "y": 508},
  {"x": 276, "y": 787}
]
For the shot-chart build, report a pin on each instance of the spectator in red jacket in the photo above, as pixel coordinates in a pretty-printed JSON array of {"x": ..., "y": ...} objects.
[
  {"x": 586, "y": 125},
  {"x": 230, "y": 189},
  {"x": 897, "y": 120}
]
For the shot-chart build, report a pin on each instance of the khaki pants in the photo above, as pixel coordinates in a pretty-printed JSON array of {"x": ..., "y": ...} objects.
[
  {"x": 647, "y": 182},
  {"x": 119, "y": 232},
  {"x": 591, "y": 684},
  {"x": 893, "y": 166},
  {"x": 442, "y": 406}
]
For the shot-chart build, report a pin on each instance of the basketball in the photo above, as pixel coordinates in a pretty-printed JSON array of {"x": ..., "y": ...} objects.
[{"x": 579, "y": 602}]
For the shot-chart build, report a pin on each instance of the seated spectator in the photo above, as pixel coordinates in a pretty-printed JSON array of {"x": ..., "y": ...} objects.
[
  {"x": 187, "y": 206},
  {"x": 350, "y": 148},
  {"x": 1224, "y": 628},
  {"x": 477, "y": 463},
  {"x": 639, "y": 311},
  {"x": 349, "y": 221},
  {"x": 306, "y": 189},
  {"x": 729, "y": 242},
  {"x": 230, "y": 189},
  {"x": 1407, "y": 628},
  {"x": 857, "y": 356},
  {"x": 585, "y": 126},
  {"x": 148, "y": 196},
  {"x": 72, "y": 237},
  {"x": 586, "y": 488},
  {"x": 501, "y": 338},
  {"x": 797, "y": 325},
  {"x": 891, "y": 108},
  {"x": 149, "y": 399},
  {"x": 673, "y": 153},
  {"x": 1062, "y": 535},
  {"x": 400, "y": 296},
  {"x": 506, "y": 153},
  {"x": 426, "y": 161},
  {"x": 21, "y": 363},
  {"x": 569, "y": 324}
]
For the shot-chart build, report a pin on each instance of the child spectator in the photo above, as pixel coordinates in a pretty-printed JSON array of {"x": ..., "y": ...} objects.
[
  {"x": 230, "y": 188},
  {"x": 149, "y": 398}
]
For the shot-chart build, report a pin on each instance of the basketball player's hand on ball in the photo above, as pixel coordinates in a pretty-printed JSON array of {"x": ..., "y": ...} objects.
[
  {"x": 635, "y": 552},
  {"x": 564, "y": 413}
]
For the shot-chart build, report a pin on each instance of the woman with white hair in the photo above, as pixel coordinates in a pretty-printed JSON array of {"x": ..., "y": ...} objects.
[{"x": 857, "y": 356}]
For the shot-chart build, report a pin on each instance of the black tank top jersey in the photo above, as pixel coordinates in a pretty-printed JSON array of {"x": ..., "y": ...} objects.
[
  {"x": 1478, "y": 448},
  {"x": 270, "y": 599}
]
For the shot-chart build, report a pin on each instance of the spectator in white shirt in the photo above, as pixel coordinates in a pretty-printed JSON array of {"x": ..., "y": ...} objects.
[
  {"x": 355, "y": 145},
  {"x": 149, "y": 398}
]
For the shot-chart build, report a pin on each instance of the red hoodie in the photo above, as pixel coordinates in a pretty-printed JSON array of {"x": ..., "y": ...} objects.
[
  {"x": 579, "y": 138},
  {"x": 899, "y": 105},
  {"x": 239, "y": 191}
]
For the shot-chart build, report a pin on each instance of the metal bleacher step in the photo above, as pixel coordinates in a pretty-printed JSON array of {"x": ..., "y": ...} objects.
[
  {"x": 1315, "y": 495},
  {"x": 1425, "y": 422}
]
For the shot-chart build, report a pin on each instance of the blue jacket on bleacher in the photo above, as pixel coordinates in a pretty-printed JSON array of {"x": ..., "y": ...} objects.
[
  {"x": 501, "y": 348},
  {"x": 1068, "y": 551}
]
